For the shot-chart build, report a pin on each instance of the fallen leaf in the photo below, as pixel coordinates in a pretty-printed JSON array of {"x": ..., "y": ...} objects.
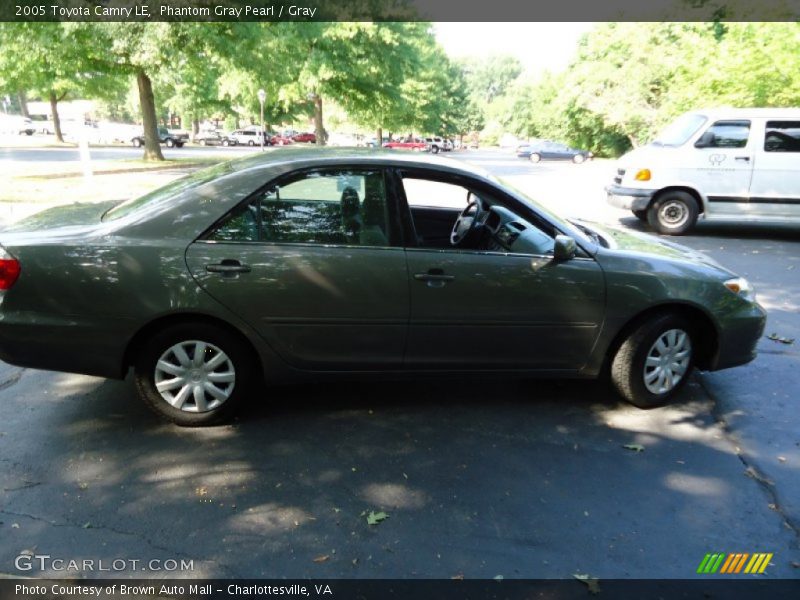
[
  {"x": 87, "y": 525},
  {"x": 796, "y": 565},
  {"x": 83, "y": 485},
  {"x": 782, "y": 459},
  {"x": 15, "y": 526},
  {"x": 591, "y": 582},
  {"x": 634, "y": 447},
  {"x": 322, "y": 558},
  {"x": 355, "y": 562},
  {"x": 337, "y": 510},
  {"x": 498, "y": 578},
  {"x": 201, "y": 491},
  {"x": 779, "y": 338},
  {"x": 373, "y": 518},
  {"x": 459, "y": 577}
]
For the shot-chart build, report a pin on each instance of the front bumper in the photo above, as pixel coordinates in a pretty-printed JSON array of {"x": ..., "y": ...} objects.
[
  {"x": 738, "y": 337},
  {"x": 628, "y": 198}
]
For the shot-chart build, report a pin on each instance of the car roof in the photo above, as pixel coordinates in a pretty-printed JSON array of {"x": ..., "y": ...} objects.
[{"x": 747, "y": 113}]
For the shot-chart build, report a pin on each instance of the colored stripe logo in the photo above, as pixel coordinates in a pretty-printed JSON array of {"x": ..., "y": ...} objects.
[{"x": 734, "y": 563}]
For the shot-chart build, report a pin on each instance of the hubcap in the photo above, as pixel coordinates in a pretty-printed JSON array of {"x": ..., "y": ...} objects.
[
  {"x": 673, "y": 213},
  {"x": 195, "y": 376},
  {"x": 667, "y": 361}
]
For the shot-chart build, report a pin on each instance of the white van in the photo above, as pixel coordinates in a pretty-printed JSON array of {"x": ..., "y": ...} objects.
[{"x": 739, "y": 164}]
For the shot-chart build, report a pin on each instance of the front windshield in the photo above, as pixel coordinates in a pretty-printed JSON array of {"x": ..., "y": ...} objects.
[
  {"x": 167, "y": 192},
  {"x": 680, "y": 130}
]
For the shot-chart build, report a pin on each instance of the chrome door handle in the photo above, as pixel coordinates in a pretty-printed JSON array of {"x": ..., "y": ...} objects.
[{"x": 744, "y": 158}]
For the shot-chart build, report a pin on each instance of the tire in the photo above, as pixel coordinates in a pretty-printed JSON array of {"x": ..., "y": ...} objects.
[
  {"x": 251, "y": 143},
  {"x": 640, "y": 383},
  {"x": 673, "y": 213},
  {"x": 578, "y": 159},
  {"x": 535, "y": 157},
  {"x": 137, "y": 143},
  {"x": 228, "y": 394},
  {"x": 203, "y": 143},
  {"x": 226, "y": 143},
  {"x": 434, "y": 149},
  {"x": 179, "y": 144},
  {"x": 170, "y": 143},
  {"x": 640, "y": 214}
]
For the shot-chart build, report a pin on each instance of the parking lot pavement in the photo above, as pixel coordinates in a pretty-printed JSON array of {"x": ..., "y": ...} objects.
[{"x": 480, "y": 478}]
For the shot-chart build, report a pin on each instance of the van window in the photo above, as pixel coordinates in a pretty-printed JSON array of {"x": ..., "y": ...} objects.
[
  {"x": 728, "y": 134},
  {"x": 782, "y": 136}
]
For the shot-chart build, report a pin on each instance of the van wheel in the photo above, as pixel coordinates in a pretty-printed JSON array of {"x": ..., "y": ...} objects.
[
  {"x": 654, "y": 362},
  {"x": 673, "y": 213},
  {"x": 193, "y": 374}
]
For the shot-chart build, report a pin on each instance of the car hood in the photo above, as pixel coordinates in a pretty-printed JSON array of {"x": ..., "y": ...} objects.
[{"x": 633, "y": 242}]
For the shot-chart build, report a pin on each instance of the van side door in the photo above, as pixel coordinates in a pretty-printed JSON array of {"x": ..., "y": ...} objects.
[
  {"x": 775, "y": 187},
  {"x": 722, "y": 165}
]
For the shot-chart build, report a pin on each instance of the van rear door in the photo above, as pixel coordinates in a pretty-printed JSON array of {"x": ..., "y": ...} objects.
[{"x": 775, "y": 187}]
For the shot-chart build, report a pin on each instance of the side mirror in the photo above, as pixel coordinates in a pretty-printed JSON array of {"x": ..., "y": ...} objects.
[
  {"x": 565, "y": 248},
  {"x": 705, "y": 140}
]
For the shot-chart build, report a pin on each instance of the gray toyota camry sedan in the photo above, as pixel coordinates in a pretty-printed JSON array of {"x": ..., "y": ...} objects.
[{"x": 306, "y": 264}]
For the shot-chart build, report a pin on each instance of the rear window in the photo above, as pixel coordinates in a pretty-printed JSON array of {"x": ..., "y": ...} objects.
[{"x": 166, "y": 193}]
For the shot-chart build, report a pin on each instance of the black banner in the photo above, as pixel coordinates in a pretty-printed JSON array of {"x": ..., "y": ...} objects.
[
  {"x": 717, "y": 587},
  {"x": 399, "y": 10}
]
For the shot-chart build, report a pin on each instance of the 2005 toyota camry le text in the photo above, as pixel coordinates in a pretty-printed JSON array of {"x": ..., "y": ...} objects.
[{"x": 297, "y": 265}]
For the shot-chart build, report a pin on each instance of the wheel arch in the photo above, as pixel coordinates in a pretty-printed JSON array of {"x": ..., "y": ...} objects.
[
  {"x": 147, "y": 331},
  {"x": 706, "y": 338},
  {"x": 701, "y": 202}
]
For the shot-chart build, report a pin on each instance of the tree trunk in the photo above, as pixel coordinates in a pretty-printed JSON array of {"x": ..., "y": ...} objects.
[
  {"x": 319, "y": 129},
  {"x": 56, "y": 118},
  {"x": 379, "y": 143},
  {"x": 195, "y": 128},
  {"x": 23, "y": 105},
  {"x": 152, "y": 147}
]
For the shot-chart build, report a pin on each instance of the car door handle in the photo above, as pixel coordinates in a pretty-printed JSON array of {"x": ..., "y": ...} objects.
[
  {"x": 228, "y": 266},
  {"x": 744, "y": 158},
  {"x": 434, "y": 277}
]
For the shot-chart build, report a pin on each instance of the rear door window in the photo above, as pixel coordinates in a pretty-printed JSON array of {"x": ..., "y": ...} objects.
[{"x": 782, "y": 136}]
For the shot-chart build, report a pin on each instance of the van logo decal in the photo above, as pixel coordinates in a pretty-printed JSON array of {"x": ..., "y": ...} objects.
[{"x": 716, "y": 159}]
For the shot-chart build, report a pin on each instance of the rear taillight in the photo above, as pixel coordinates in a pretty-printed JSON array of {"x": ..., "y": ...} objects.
[{"x": 9, "y": 270}]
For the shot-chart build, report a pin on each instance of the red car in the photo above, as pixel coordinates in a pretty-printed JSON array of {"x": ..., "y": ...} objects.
[
  {"x": 305, "y": 138},
  {"x": 409, "y": 143},
  {"x": 280, "y": 140}
]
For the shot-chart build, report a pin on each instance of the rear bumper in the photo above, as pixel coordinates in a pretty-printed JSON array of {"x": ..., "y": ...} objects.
[
  {"x": 628, "y": 198},
  {"x": 739, "y": 335}
]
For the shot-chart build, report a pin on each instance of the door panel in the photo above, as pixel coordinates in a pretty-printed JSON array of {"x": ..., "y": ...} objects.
[
  {"x": 319, "y": 307},
  {"x": 775, "y": 186},
  {"x": 486, "y": 310}
]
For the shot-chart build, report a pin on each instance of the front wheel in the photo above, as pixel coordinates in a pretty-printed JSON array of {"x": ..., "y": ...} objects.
[
  {"x": 251, "y": 143},
  {"x": 193, "y": 374},
  {"x": 535, "y": 157},
  {"x": 654, "y": 362},
  {"x": 578, "y": 159},
  {"x": 434, "y": 149},
  {"x": 170, "y": 143},
  {"x": 137, "y": 143},
  {"x": 673, "y": 213}
]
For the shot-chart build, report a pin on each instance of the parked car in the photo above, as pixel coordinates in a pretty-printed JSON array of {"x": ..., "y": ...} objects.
[
  {"x": 165, "y": 136},
  {"x": 548, "y": 150},
  {"x": 16, "y": 124},
  {"x": 307, "y": 138},
  {"x": 280, "y": 139},
  {"x": 214, "y": 138},
  {"x": 720, "y": 164},
  {"x": 249, "y": 137},
  {"x": 437, "y": 144},
  {"x": 408, "y": 143},
  {"x": 165, "y": 283}
]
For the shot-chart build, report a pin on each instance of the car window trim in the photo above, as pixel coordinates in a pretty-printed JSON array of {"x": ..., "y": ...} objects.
[{"x": 390, "y": 203}]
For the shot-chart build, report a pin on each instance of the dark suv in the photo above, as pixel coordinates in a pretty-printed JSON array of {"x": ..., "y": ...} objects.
[{"x": 171, "y": 140}]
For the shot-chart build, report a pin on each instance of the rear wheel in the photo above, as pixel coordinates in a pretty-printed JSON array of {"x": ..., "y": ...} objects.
[
  {"x": 434, "y": 149},
  {"x": 251, "y": 143},
  {"x": 673, "y": 213},
  {"x": 654, "y": 362},
  {"x": 194, "y": 374},
  {"x": 578, "y": 159},
  {"x": 535, "y": 157},
  {"x": 137, "y": 143}
]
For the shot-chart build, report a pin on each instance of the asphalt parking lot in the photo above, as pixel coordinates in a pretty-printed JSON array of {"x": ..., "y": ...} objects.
[{"x": 477, "y": 478}]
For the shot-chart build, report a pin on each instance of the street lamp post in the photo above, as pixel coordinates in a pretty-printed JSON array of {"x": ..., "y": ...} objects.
[{"x": 262, "y": 96}]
